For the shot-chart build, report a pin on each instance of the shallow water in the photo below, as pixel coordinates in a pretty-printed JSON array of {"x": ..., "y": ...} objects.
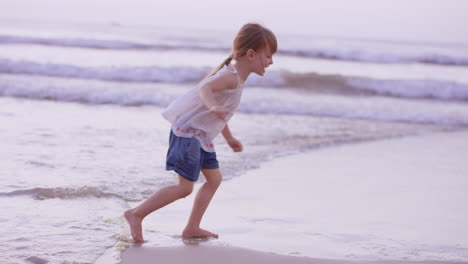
[{"x": 70, "y": 170}]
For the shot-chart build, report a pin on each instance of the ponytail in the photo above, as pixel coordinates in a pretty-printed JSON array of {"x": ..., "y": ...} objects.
[{"x": 227, "y": 61}]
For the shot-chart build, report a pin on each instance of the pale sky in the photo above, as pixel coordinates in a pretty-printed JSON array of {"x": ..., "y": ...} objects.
[{"x": 413, "y": 20}]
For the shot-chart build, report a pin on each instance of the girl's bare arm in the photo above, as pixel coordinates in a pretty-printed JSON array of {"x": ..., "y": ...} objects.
[
  {"x": 234, "y": 143},
  {"x": 206, "y": 91}
]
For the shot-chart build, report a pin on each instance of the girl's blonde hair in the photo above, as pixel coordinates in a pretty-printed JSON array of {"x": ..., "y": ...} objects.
[{"x": 251, "y": 36}]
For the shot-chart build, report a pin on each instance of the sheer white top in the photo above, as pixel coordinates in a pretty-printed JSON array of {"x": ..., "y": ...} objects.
[{"x": 191, "y": 118}]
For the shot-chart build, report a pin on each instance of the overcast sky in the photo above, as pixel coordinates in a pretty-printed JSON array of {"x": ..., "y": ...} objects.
[{"x": 414, "y": 20}]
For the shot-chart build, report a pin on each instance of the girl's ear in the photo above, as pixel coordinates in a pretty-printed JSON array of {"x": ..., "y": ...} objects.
[{"x": 250, "y": 54}]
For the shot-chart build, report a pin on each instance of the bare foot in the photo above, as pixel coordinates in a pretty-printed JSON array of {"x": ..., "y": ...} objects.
[
  {"x": 197, "y": 233},
  {"x": 135, "y": 226}
]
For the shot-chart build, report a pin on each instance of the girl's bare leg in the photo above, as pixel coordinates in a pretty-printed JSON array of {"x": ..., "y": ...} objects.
[
  {"x": 159, "y": 199},
  {"x": 202, "y": 200}
]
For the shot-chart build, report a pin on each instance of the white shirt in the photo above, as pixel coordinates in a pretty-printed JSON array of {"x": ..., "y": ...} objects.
[{"x": 191, "y": 118}]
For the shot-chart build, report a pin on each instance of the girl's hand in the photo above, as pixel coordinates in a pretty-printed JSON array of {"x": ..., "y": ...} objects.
[
  {"x": 220, "y": 112},
  {"x": 235, "y": 144}
]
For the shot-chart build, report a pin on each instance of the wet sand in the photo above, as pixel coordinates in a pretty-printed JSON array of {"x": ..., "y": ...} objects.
[
  {"x": 391, "y": 201},
  {"x": 228, "y": 255}
]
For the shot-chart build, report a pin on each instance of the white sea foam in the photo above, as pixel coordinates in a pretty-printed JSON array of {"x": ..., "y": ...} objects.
[
  {"x": 372, "y": 108},
  {"x": 64, "y": 193}
]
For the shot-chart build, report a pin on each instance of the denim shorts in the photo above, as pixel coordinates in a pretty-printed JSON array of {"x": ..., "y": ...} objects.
[{"x": 186, "y": 157}]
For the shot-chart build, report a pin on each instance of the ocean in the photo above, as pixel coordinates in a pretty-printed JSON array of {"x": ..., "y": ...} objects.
[{"x": 83, "y": 138}]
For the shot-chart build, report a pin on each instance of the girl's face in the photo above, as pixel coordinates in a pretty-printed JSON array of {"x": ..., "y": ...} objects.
[{"x": 261, "y": 60}]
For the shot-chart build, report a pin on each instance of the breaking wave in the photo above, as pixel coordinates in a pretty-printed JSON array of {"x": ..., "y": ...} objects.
[
  {"x": 64, "y": 193},
  {"x": 313, "y": 82}
]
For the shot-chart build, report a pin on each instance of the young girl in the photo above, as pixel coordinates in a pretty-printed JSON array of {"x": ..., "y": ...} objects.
[{"x": 197, "y": 117}]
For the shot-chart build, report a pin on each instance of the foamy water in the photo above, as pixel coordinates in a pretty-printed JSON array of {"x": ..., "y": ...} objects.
[{"x": 83, "y": 139}]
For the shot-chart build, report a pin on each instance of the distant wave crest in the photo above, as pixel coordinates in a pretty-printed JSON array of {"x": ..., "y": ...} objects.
[
  {"x": 98, "y": 43},
  {"x": 379, "y": 57},
  {"x": 321, "y": 53}
]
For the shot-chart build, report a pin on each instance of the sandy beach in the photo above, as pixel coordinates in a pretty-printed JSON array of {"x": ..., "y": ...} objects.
[
  {"x": 392, "y": 201},
  {"x": 228, "y": 255}
]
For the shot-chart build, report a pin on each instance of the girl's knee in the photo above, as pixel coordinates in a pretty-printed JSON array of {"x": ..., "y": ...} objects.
[
  {"x": 185, "y": 187},
  {"x": 215, "y": 181},
  {"x": 185, "y": 190}
]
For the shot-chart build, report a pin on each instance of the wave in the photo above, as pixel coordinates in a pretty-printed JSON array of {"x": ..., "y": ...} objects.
[
  {"x": 350, "y": 85},
  {"x": 379, "y": 57},
  {"x": 100, "y": 43},
  {"x": 352, "y": 54},
  {"x": 124, "y": 74},
  {"x": 366, "y": 108},
  {"x": 64, "y": 193},
  {"x": 311, "y": 82},
  {"x": 127, "y": 74},
  {"x": 434, "y": 89},
  {"x": 255, "y": 100}
]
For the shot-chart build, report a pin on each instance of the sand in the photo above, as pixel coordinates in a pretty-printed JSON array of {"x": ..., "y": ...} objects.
[
  {"x": 391, "y": 201},
  {"x": 231, "y": 255}
]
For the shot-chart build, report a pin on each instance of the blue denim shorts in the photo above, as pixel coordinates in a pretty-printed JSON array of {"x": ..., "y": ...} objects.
[{"x": 186, "y": 157}]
